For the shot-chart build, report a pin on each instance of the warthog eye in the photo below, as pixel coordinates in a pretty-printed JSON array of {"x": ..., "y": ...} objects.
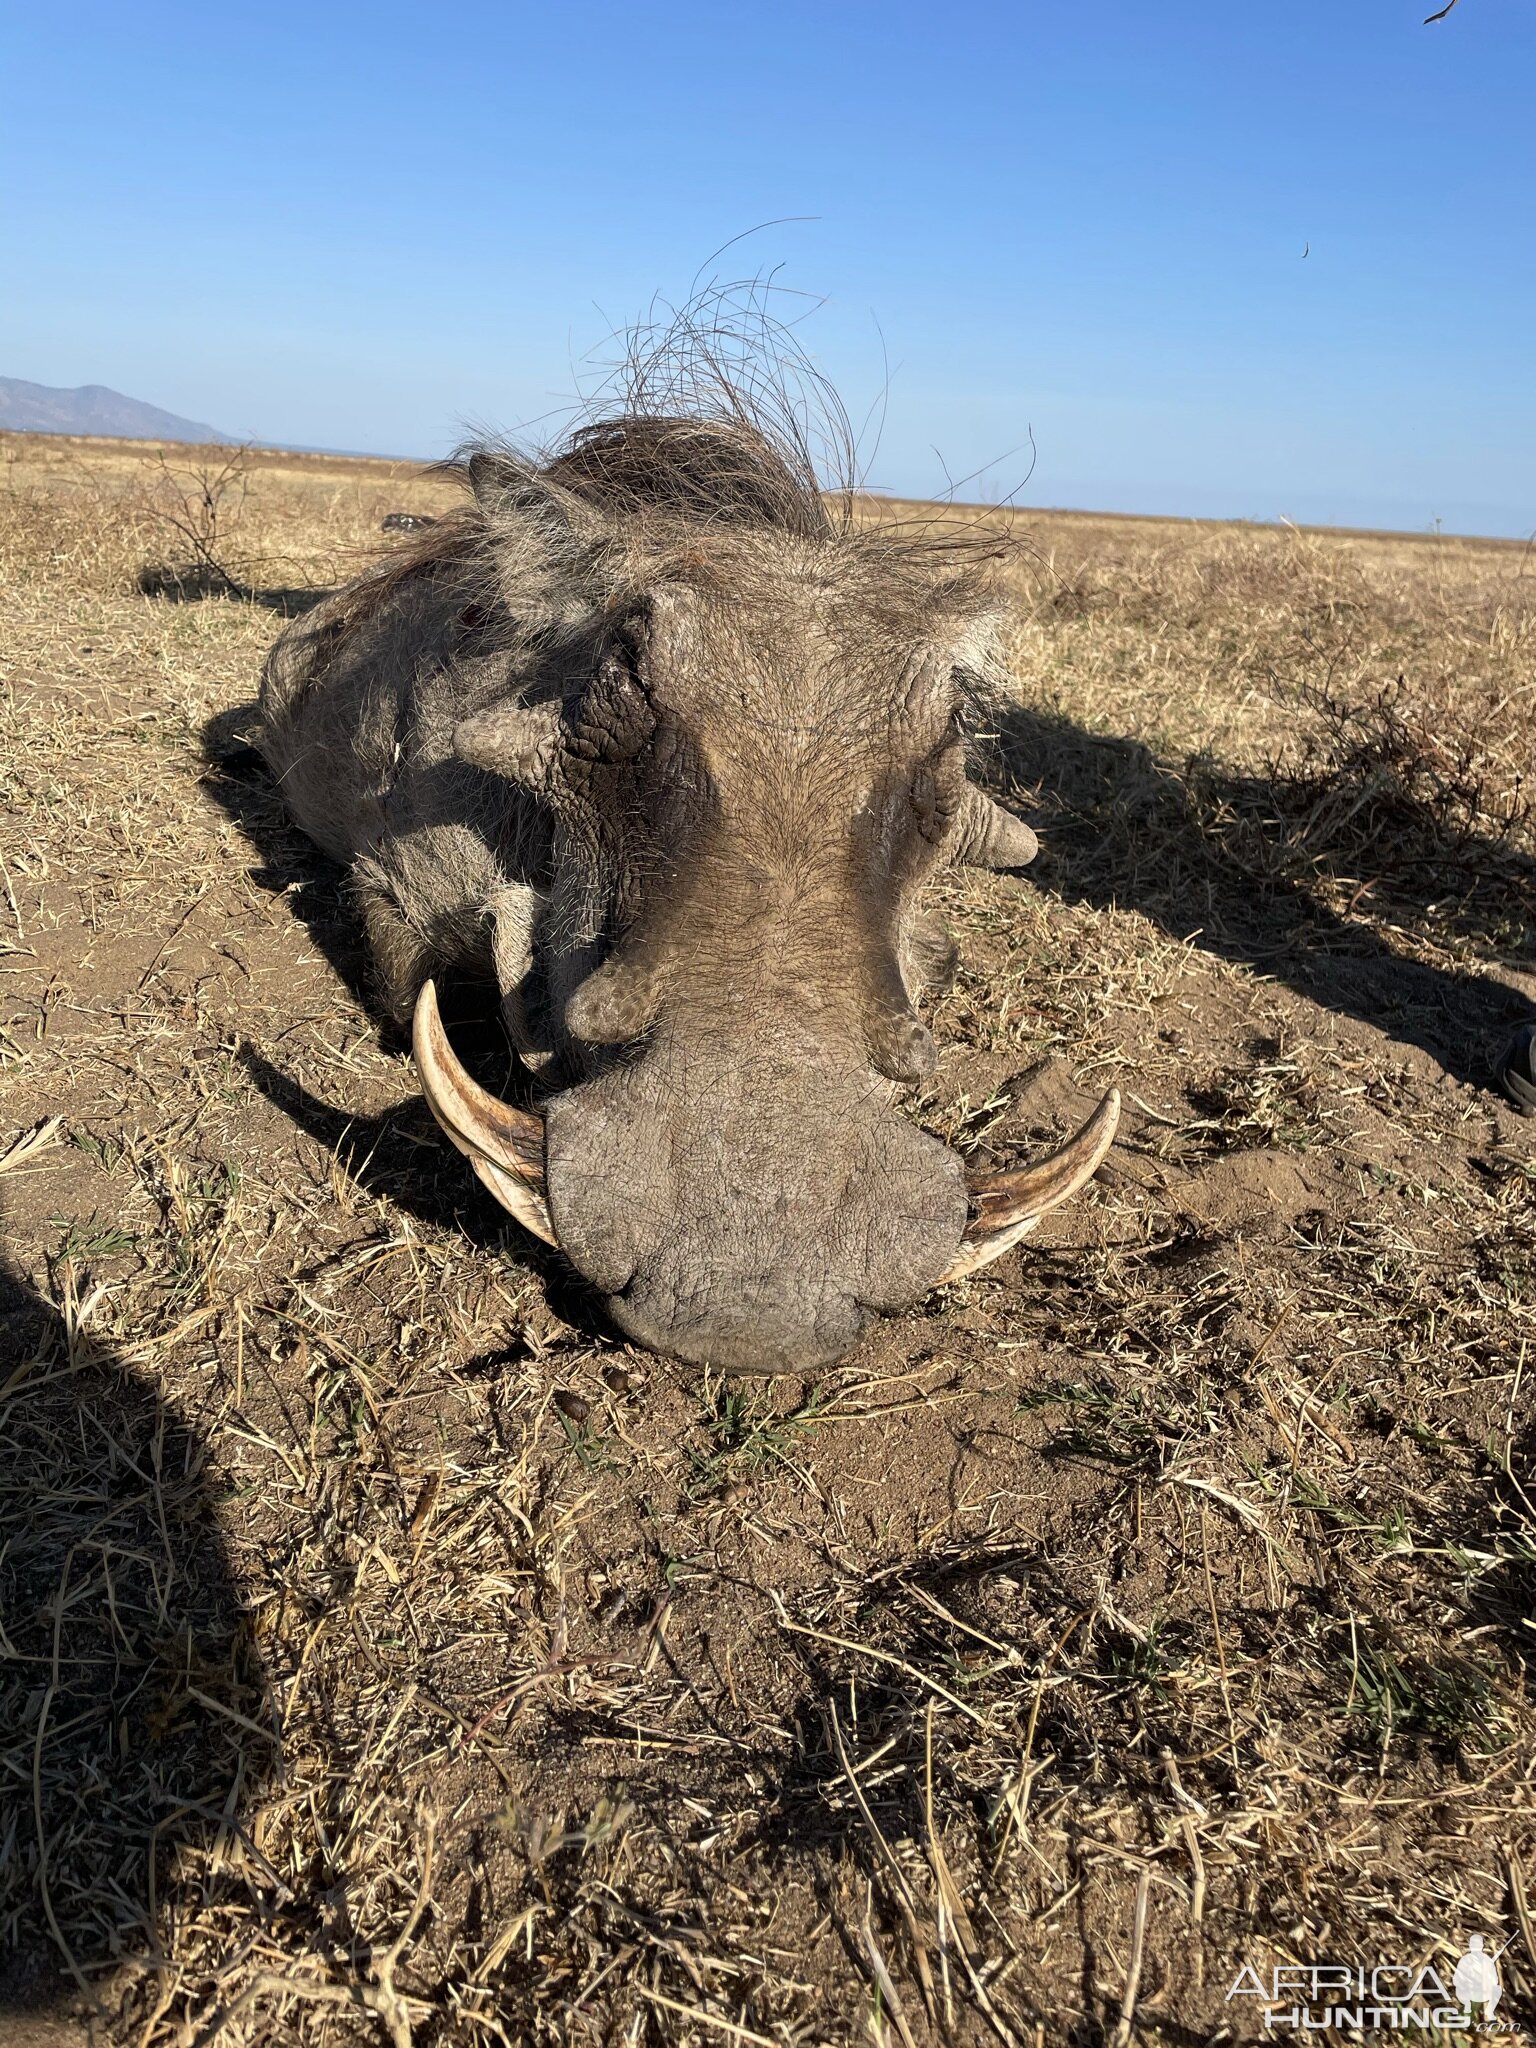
[
  {"x": 617, "y": 720},
  {"x": 936, "y": 788}
]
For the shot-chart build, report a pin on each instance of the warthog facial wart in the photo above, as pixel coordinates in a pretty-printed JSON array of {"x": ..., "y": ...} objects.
[{"x": 651, "y": 737}]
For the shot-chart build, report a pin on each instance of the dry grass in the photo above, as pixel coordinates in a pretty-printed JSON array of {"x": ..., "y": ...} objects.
[{"x": 386, "y": 1657}]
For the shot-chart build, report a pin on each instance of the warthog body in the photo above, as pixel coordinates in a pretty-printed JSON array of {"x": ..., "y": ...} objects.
[{"x": 649, "y": 736}]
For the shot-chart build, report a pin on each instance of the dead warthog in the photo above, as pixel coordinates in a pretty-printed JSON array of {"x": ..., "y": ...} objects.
[{"x": 648, "y": 734}]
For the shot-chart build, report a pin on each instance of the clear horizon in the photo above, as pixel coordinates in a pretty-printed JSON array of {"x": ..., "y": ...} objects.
[{"x": 1212, "y": 262}]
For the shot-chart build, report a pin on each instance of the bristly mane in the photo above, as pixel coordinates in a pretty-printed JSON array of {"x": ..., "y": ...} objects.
[
  {"x": 708, "y": 414},
  {"x": 710, "y": 471},
  {"x": 712, "y": 416},
  {"x": 639, "y": 470}
]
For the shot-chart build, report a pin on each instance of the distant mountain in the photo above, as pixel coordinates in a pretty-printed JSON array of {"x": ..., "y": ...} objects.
[{"x": 92, "y": 409}]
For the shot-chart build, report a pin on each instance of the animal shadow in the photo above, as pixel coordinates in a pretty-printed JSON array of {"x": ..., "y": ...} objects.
[
  {"x": 1238, "y": 866},
  {"x": 401, "y": 1157},
  {"x": 132, "y": 1705}
]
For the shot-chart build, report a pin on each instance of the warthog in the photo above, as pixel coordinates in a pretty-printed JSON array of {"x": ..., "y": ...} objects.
[{"x": 650, "y": 736}]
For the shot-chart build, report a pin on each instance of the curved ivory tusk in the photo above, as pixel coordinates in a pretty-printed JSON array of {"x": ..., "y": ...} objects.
[
  {"x": 504, "y": 1145},
  {"x": 1007, "y": 1206}
]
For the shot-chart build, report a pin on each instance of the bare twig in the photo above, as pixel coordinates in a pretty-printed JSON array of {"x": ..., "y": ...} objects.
[
  {"x": 705, "y": 2019},
  {"x": 1122, "y": 2033},
  {"x": 28, "y": 1144},
  {"x": 905, "y": 1897}
]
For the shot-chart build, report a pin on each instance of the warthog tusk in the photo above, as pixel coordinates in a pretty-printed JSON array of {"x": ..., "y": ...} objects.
[
  {"x": 504, "y": 1145},
  {"x": 1007, "y": 1206}
]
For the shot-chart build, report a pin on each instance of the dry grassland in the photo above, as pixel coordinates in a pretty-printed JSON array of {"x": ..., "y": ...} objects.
[{"x": 388, "y": 1657}]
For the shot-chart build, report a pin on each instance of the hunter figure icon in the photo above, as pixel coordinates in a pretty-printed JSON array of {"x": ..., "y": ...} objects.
[{"x": 1476, "y": 1978}]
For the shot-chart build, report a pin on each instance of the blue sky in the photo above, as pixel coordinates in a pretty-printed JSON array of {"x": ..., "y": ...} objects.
[{"x": 363, "y": 227}]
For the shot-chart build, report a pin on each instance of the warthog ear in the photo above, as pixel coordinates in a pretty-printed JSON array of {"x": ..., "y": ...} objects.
[
  {"x": 492, "y": 476},
  {"x": 520, "y": 741},
  {"x": 984, "y": 835},
  {"x": 506, "y": 486}
]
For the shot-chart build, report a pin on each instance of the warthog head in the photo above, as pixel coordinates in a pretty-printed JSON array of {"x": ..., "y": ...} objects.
[{"x": 745, "y": 736}]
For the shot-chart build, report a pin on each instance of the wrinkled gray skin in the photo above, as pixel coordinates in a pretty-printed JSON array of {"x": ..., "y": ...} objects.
[{"x": 696, "y": 870}]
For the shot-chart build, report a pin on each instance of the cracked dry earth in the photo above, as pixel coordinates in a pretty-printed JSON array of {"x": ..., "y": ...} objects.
[{"x": 388, "y": 1656}]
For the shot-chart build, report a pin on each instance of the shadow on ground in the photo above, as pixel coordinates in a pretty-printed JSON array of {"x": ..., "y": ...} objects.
[
  {"x": 132, "y": 1709},
  {"x": 192, "y": 582},
  {"x": 401, "y": 1157},
  {"x": 1240, "y": 865}
]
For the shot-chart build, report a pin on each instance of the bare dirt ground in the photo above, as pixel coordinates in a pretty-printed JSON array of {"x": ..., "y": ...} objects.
[{"x": 389, "y": 1656}]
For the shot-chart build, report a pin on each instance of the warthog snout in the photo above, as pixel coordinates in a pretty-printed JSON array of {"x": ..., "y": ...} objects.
[
  {"x": 761, "y": 1222},
  {"x": 756, "y": 1229}
]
